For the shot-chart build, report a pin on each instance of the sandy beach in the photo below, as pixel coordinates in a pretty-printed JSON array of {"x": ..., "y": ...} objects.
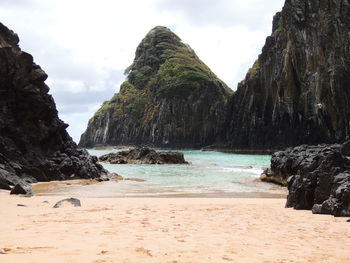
[{"x": 173, "y": 230}]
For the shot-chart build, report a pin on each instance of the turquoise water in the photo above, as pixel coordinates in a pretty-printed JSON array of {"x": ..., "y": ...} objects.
[{"x": 209, "y": 173}]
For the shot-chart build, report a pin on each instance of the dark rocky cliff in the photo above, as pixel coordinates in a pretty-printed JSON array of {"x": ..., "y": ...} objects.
[
  {"x": 34, "y": 144},
  {"x": 318, "y": 177},
  {"x": 298, "y": 90},
  {"x": 170, "y": 99}
]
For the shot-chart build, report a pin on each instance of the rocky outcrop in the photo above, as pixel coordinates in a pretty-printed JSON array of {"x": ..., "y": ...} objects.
[
  {"x": 318, "y": 177},
  {"x": 34, "y": 144},
  {"x": 170, "y": 99},
  {"x": 143, "y": 155},
  {"x": 297, "y": 90}
]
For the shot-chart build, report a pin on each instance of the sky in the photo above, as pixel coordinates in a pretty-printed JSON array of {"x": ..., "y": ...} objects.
[{"x": 85, "y": 45}]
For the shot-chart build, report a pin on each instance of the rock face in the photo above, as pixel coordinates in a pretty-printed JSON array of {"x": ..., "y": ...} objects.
[
  {"x": 171, "y": 98},
  {"x": 34, "y": 144},
  {"x": 143, "y": 156},
  {"x": 318, "y": 177},
  {"x": 298, "y": 89}
]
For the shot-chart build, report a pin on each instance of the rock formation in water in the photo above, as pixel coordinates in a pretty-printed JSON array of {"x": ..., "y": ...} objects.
[
  {"x": 318, "y": 177},
  {"x": 171, "y": 98},
  {"x": 143, "y": 155},
  {"x": 34, "y": 144},
  {"x": 298, "y": 89}
]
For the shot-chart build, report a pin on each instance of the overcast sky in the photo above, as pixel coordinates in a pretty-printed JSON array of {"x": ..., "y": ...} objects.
[{"x": 85, "y": 45}]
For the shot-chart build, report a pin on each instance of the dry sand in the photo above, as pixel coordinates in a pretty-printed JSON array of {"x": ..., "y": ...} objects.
[{"x": 166, "y": 230}]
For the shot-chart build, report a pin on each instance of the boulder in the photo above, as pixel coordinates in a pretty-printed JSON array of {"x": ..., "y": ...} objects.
[
  {"x": 318, "y": 177},
  {"x": 22, "y": 189}
]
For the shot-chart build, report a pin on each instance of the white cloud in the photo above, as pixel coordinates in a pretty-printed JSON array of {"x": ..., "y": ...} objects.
[{"x": 85, "y": 45}]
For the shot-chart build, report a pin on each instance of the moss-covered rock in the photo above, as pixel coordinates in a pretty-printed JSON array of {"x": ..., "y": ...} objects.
[{"x": 170, "y": 98}]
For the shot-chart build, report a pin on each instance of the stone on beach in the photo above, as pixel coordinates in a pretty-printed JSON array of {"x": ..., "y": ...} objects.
[
  {"x": 23, "y": 189},
  {"x": 70, "y": 201}
]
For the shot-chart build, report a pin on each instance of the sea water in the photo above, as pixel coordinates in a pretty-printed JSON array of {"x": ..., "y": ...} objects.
[{"x": 209, "y": 174}]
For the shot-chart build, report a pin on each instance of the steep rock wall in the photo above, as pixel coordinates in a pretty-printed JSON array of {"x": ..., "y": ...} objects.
[
  {"x": 34, "y": 144},
  {"x": 298, "y": 89}
]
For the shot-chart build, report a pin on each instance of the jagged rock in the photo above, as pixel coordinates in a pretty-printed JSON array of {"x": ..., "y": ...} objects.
[
  {"x": 318, "y": 178},
  {"x": 143, "y": 155},
  {"x": 22, "y": 189},
  {"x": 171, "y": 98},
  {"x": 297, "y": 90},
  {"x": 34, "y": 144},
  {"x": 72, "y": 201}
]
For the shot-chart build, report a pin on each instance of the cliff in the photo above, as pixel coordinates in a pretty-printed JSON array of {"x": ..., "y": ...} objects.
[
  {"x": 34, "y": 144},
  {"x": 297, "y": 90},
  {"x": 170, "y": 99}
]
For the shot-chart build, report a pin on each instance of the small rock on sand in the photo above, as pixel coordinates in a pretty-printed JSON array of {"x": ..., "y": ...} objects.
[
  {"x": 72, "y": 201},
  {"x": 22, "y": 188}
]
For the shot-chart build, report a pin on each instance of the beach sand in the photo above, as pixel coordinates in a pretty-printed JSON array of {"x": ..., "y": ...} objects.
[{"x": 174, "y": 230}]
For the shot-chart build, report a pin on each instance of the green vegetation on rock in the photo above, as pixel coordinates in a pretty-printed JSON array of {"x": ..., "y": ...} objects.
[
  {"x": 279, "y": 28},
  {"x": 254, "y": 69},
  {"x": 164, "y": 82}
]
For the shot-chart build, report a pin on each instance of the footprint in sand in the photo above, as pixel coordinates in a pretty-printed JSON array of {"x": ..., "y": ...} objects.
[
  {"x": 103, "y": 252},
  {"x": 143, "y": 251},
  {"x": 4, "y": 250},
  {"x": 24, "y": 250},
  {"x": 226, "y": 258}
]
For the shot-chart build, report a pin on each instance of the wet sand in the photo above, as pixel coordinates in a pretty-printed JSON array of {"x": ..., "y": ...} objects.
[
  {"x": 134, "y": 187},
  {"x": 167, "y": 230}
]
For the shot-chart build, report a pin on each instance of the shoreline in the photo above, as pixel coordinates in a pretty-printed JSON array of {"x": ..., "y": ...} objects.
[
  {"x": 204, "y": 149},
  {"x": 95, "y": 189},
  {"x": 168, "y": 230}
]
